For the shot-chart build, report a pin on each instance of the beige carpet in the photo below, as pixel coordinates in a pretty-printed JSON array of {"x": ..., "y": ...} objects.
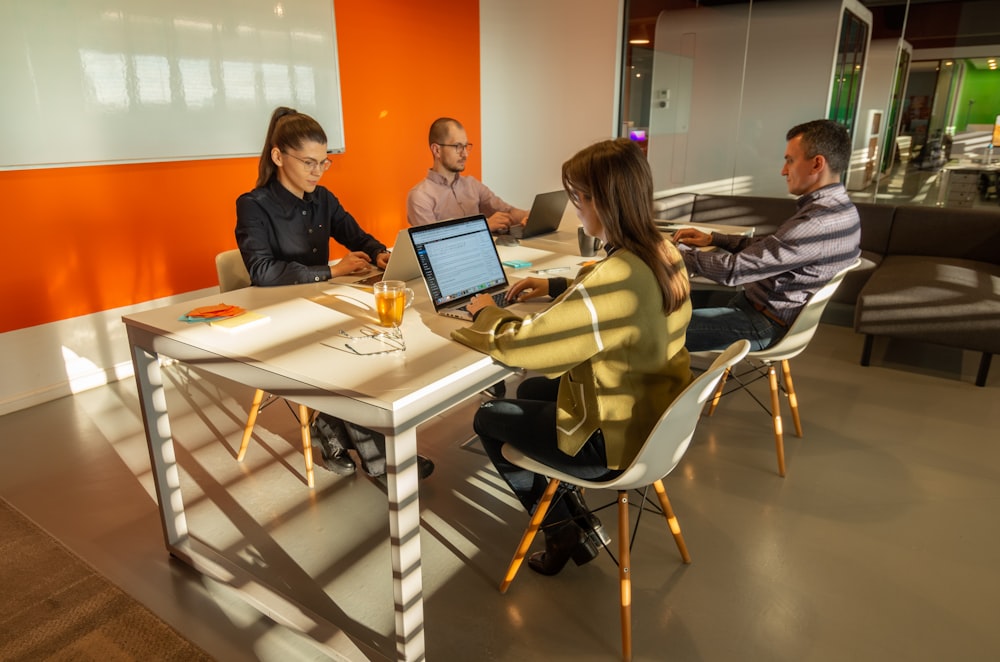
[{"x": 53, "y": 606}]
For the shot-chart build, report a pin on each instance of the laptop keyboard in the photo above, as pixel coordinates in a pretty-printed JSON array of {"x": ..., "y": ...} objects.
[{"x": 371, "y": 280}]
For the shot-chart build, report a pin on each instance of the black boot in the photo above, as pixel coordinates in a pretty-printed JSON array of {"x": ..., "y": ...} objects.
[
  {"x": 330, "y": 435},
  {"x": 587, "y": 520},
  {"x": 562, "y": 544}
]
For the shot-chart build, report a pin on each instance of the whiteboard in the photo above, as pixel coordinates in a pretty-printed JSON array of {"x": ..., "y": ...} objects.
[{"x": 125, "y": 81}]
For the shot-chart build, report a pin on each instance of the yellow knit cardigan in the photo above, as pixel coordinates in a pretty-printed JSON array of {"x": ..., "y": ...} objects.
[{"x": 620, "y": 359}]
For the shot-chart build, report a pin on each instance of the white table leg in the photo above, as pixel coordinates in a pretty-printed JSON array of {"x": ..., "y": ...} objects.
[
  {"x": 404, "y": 532},
  {"x": 166, "y": 475}
]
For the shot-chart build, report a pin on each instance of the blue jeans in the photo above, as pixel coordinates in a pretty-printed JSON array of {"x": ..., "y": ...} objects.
[
  {"x": 529, "y": 424},
  {"x": 718, "y": 328}
]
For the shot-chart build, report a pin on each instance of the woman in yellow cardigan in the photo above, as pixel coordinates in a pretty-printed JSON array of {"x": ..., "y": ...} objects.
[{"x": 610, "y": 350}]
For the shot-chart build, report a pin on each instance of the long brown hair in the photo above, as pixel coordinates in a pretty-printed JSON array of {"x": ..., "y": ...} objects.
[
  {"x": 616, "y": 176},
  {"x": 288, "y": 129}
]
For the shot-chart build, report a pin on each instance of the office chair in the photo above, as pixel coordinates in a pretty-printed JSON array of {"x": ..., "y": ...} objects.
[
  {"x": 660, "y": 453},
  {"x": 791, "y": 345},
  {"x": 233, "y": 275}
]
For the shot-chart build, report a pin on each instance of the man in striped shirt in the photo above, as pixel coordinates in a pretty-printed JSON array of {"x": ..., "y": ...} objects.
[{"x": 779, "y": 272}]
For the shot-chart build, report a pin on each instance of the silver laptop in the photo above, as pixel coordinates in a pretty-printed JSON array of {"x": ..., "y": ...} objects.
[
  {"x": 402, "y": 265},
  {"x": 458, "y": 260},
  {"x": 546, "y": 213}
]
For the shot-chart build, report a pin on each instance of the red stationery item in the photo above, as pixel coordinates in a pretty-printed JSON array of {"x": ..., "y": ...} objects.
[{"x": 216, "y": 311}]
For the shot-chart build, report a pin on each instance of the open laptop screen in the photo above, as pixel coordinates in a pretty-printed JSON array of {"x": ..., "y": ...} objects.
[{"x": 457, "y": 259}]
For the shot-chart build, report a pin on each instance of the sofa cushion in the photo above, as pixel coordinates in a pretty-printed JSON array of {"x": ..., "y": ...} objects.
[
  {"x": 948, "y": 301},
  {"x": 674, "y": 208},
  {"x": 876, "y": 223},
  {"x": 764, "y": 214},
  {"x": 971, "y": 234}
]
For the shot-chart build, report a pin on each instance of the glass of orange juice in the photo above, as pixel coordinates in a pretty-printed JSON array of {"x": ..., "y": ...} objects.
[{"x": 392, "y": 297}]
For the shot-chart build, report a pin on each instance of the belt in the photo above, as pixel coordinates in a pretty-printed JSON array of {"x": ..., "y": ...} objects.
[{"x": 768, "y": 314}]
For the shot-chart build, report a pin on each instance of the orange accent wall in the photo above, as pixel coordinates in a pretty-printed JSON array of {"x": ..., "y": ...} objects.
[{"x": 82, "y": 240}]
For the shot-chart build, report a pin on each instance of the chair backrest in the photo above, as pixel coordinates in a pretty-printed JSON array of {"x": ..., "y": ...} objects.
[
  {"x": 804, "y": 327},
  {"x": 671, "y": 436},
  {"x": 232, "y": 272}
]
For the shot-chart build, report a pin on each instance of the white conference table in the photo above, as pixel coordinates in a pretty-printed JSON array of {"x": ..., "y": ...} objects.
[{"x": 294, "y": 354}]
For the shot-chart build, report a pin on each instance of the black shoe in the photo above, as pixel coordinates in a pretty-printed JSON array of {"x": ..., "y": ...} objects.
[
  {"x": 587, "y": 520},
  {"x": 338, "y": 461},
  {"x": 425, "y": 466},
  {"x": 565, "y": 543},
  {"x": 329, "y": 435}
]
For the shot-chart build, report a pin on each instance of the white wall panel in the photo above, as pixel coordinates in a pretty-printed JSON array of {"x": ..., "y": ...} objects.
[{"x": 549, "y": 74}]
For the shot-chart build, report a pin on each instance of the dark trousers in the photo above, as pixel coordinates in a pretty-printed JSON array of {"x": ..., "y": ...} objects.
[
  {"x": 529, "y": 424},
  {"x": 715, "y": 328},
  {"x": 369, "y": 445}
]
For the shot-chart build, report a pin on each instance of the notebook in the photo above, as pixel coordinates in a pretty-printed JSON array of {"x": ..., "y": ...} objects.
[
  {"x": 546, "y": 213},
  {"x": 402, "y": 265},
  {"x": 458, "y": 260}
]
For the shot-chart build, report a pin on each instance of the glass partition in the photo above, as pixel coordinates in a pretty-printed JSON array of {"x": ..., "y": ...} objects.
[
  {"x": 711, "y": 87},
  {"x": 849, "y": 70}
]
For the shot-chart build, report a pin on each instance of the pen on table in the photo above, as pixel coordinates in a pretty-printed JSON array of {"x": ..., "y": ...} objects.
[{"x": 552, "y": 270}]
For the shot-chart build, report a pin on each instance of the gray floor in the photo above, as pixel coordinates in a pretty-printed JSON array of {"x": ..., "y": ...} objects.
[{"x": 879, "y": 544}]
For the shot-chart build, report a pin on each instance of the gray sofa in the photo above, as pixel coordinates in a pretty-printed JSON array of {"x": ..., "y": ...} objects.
[
  {"x": 929, "y": 274},
  {"x": 939, "y": 282}
]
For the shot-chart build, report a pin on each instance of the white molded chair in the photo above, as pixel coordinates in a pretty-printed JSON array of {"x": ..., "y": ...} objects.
[
  {"x": 791, "y": 345},
  {"x": 658, "y": 456},
  {"x": 233, "y": 275}
]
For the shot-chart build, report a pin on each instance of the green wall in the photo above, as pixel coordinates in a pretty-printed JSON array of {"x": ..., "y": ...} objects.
[{"x": 983, "y": 87}]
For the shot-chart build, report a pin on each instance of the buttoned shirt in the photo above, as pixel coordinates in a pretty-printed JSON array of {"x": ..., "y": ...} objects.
[
  {"x": 780, "y": 271},
  {"x": 436, "y": 198},
  {"x": 285, "y": 239}
]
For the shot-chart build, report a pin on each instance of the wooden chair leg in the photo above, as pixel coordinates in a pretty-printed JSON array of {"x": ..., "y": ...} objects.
[
  {"x": 718, "y": 393},
  {"x": 793, "y": 400},
  {"x": 307, "y": 452},
  {"x": 624, "y": 575},
  {"x": 675, "y": 527},
  {"x": 779, "y": 442},
  {"x": 529, "y": 534},
  {"x": 258, "y": 396}
]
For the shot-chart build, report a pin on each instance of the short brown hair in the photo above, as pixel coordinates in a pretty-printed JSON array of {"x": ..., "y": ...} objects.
[
  {"x": 826, "y": 138},
  {"x": 439, "y": 130}
]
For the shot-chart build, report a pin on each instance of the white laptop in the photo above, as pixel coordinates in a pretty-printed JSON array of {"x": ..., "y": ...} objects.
[
  {"x": 402, "y": 265},
  {"x": 458, "y": 260}
]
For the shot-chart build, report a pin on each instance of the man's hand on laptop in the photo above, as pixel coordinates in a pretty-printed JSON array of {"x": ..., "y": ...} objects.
[
  {"x": 692, "y": 237},
  {"x": 500, "y": 222},
  {"x": 352, "y": 263}
]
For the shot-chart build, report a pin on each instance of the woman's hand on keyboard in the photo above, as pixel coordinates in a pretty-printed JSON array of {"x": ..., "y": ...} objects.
[
  {"x": 528, "y": 288},
  {"x": 479, "y": 302}
]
